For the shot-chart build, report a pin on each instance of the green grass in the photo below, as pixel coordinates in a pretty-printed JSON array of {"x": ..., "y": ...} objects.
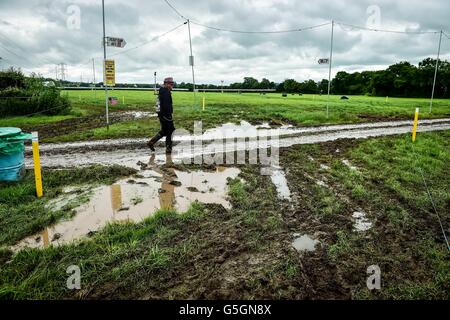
[
  {"x": 390, "y": 188},
  {"x": 154, "y": 255},
  {"x": 232, "y": 107},
  {"x": 189, "y": 255}
]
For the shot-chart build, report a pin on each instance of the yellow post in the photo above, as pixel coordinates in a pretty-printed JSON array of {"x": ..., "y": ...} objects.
[
  {"x": 37, "y": 164},
  {"x": 123, "y": 99},
  {"x": 203, "y": 103},
  {"x": 416, "y": 120},
  {"x": 387, "y": 98},
  {"x": 314, "y": 97}
]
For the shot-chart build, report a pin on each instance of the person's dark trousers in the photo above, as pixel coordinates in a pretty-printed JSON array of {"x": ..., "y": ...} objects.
[{"x": 167, "y": 128}]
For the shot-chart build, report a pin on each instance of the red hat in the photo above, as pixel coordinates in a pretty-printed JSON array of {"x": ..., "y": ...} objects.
[{"x": 168, "y": 80}]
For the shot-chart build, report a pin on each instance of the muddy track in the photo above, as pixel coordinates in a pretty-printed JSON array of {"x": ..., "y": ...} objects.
[
  {"x": 84, "y": 123},
  {"x": 130, "y": 152}
]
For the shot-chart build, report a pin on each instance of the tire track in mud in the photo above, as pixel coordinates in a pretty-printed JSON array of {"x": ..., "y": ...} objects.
[{"x": 129, "y": 152}]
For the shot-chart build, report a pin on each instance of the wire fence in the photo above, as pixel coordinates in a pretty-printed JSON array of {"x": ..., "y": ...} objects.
[{"x": 429, "y": 195}]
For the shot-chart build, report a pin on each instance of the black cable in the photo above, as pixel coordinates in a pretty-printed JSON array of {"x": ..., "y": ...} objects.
[
  {"x": 384, "y": 30},
  {"x": 175, "y": 10},
  {"x": 147, "y": 42},
  {"x": 261, "y": 32}
]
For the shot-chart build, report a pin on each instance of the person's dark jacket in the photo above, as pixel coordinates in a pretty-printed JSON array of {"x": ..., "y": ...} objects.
[{"x": 165, "y": 100}]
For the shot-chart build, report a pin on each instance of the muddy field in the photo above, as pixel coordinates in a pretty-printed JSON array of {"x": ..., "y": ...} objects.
[{"x": 308, "y": 230}]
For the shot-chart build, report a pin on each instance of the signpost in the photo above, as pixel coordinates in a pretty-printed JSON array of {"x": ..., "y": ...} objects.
[
  {"x": 110, "y": 73},
  {"x": 115, "y": 42},
  {"x": 324, "y": 61}
]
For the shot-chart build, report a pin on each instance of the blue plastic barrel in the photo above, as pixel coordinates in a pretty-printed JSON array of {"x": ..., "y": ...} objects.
[{"x": 12, "y": 166}]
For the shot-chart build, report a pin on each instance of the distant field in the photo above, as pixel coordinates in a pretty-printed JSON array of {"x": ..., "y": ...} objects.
[{"x": 220, "y": 108}]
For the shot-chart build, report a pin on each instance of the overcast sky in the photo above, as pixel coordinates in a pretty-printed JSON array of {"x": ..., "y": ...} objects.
[{"x": 38, "y": 34}]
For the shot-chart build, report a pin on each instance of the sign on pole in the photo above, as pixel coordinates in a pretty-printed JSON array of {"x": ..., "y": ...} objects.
[
  {"x": 115, "y": 42},
  {"x": 110, "y": 73},
  {"x": 324, "y": 61}
]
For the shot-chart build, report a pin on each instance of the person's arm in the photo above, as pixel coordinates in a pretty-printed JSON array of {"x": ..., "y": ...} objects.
[{"x": 163, "y": 100}]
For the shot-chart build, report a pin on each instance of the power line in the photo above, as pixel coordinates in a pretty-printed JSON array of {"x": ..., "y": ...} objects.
[
  {"x": 300, "y": 29},
  {"x": 11, "y": 42},
  {"x": 261, "y": 32},
  {"x": 341, "y": 24},
  {"x": 175, "y": 10},
  {"x": 243, "y": 31},
  {"x": 147, "y": 42}
]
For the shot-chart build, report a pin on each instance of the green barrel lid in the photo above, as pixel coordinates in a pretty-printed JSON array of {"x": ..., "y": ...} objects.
[{"x": 9, "y": 132}]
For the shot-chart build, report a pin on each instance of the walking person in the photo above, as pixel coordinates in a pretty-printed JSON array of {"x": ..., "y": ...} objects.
[{"x": 164, "y": 109}]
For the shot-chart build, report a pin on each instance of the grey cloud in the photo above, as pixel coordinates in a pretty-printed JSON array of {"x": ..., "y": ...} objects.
[{"x": 38, "y": 32}]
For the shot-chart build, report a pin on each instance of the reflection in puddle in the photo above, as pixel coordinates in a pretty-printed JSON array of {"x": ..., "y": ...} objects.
[
  {"x": 133, "y": 200},
  {"x": 361, "y": 221},
  {"x": 304, "y": 243}
]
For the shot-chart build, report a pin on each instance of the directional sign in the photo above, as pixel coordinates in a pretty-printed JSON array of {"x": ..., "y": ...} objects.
[
  {"x": 115, "y": 42},
  {"x": 110, "y": 73},
  {"x": 323, "y": 61}
]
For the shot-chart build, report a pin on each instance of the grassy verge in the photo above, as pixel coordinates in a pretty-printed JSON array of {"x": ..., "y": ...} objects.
[
  {"x": 230, "y": 107},
  {"x": 382, "y": 180}
]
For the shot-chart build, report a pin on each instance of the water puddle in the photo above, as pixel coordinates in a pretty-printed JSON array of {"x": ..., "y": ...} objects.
[
  {"x": 138, "y": 114},
  {"x": 134, "y": 198},
  {"x": 349, "y": 165},
  {"x": 304, "y": 243},
  {"x": 321, "y": 183},
  {"x": 361, "y": 221},
  {"x": 278, "y": 178}
]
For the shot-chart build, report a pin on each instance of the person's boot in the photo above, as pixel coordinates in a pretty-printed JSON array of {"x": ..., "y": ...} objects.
[
  {"x": 169, "y": 149},
  {"x": 152, "y": 141}
]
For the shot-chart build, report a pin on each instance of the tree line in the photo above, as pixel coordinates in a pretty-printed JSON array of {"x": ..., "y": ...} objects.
[{"x": 402, "y": 79}]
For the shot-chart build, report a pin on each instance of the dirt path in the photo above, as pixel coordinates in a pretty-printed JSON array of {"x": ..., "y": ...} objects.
[
  {"x": 131, "y": 152},
  {"x": 85, "y": 123}
]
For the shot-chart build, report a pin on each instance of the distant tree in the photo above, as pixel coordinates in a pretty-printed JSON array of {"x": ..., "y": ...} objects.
[{"x": 250, "y": 83}]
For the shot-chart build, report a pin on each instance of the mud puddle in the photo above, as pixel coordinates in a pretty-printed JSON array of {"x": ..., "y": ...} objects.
[
  {"x": 304, "y": 243},
  {"x": 361, "y": 222},
  {"x": 133, "y": 199},
  {"x": 278, "y": 178}
]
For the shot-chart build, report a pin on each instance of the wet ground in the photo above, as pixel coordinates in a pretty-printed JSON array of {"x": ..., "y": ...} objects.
[
  {"x": 85, "y": 123},
  {"x": 133, "y": 199},
  {"x": 297, "y": 233},
  {"x": 227, "y": 138}
]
